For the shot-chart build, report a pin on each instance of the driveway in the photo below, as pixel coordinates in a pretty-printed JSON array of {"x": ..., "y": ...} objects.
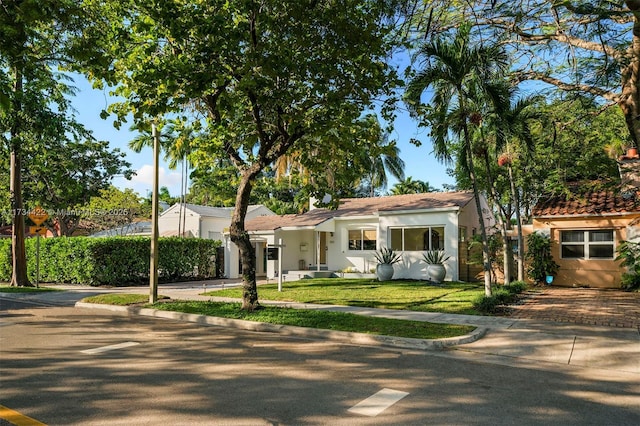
[{"x": 588, "y": 306}]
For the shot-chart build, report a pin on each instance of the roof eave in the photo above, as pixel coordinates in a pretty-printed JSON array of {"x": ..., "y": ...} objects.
[
  {"x": 414, "y": 211},
  {"x": 569, "y": 216}
]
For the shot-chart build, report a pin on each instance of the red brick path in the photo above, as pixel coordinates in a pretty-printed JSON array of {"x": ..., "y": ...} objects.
[{"x": 613, "y": 308}]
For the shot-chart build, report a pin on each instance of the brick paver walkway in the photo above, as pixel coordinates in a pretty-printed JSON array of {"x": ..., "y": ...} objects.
[{"x": 613, "y": 308}]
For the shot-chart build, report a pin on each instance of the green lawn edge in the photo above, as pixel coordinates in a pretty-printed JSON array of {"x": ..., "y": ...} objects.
[
  {"x": 15, "y": 289},
  {"x": 327, "y": 320}
]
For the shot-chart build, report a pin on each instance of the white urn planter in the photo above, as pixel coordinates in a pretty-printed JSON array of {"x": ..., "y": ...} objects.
[
  {"x": 384, "y": 271},
  {"x": 386, "y": 258},
  {"x": 436, "y": 272},
  {"x": 435, "y": 260}
]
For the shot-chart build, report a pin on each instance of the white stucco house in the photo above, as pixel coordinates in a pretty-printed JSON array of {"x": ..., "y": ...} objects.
[
  {"x": 347, "y": 238},
  {"x": 192, "y": 220}
]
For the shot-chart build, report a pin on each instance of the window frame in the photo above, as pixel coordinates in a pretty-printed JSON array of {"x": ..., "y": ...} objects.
[
  {"x": 362, "y": 239},
  {"x": 587, "y": 243},
  {"x": 429, "y": 229}
]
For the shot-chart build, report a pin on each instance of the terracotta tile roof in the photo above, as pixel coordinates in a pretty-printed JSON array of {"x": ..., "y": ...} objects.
[
  {"x": 593, "y": 203},
  {"x": 363, "y": 207}
]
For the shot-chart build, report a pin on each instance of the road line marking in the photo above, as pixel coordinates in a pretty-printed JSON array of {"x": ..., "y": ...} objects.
[
  {"x": 378, "y": 402},
  {"x": 17, "y": 419},
  {"x": 109, "y": 348}
]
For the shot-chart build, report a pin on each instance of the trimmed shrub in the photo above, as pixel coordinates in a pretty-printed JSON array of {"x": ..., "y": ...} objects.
[
  {"x": 630, "y": 282},
  {"x": 503, "y": 296},
  {"x": 500, "y": 296},
  {"x": 486, "y": 304},
  {"x": 113, "y": 260},
  {"x": 516, "y": 287},
  {"x": 5, "y": 259},
  {"x": 629, "y": 255}
]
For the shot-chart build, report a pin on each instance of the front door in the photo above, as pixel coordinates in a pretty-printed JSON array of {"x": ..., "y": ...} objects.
[{"x": 323, "y": 248}]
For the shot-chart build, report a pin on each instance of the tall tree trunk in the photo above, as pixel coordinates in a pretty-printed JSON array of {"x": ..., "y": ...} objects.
[
  {"x": 241, "y": 239},
  {"x": 19, "y": 262},
  {"x": 486, "y": 261},
  {"x": 516, "y": 200},
  {"x": 502, "y": 220}
]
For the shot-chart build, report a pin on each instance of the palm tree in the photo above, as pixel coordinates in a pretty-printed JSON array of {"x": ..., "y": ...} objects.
[
  {"x": 514, "y": 129},
  {"x": 457, "y": 71},
  {"x": 176, "y": 142},
  {"x": 496, "y": 97},
  {"x": 382, "y": 157},
  {"x": 410, "y": 186},
  {"x": 376, "y": 157}
]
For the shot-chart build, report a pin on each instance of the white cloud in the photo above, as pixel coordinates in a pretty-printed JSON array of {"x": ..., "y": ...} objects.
[{"x": 142, "y": 182}]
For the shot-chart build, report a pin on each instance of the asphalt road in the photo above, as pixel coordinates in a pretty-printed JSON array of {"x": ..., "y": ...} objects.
[{"x": 70, "y": 366}]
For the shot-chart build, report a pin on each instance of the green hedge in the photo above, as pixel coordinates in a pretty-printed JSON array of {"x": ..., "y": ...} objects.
[{"x": 113, "y": 260}]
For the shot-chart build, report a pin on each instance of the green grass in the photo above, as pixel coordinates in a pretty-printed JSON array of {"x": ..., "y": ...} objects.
[
  {"x": 121, "y": 299},
  {"x": 10, "y": 289},
  {"x": 298, "y": 317},
  {"x": 450, "y": 297}
]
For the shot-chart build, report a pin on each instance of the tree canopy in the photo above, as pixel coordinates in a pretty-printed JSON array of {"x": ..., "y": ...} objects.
[
  {"x": 31, "y": 92},
  {"x": 590, "y": 48},
  {"x": 264, "y": 76}
]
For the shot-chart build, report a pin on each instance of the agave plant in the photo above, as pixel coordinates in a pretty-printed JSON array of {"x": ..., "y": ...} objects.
[
  {"x": 435, "y": 257},
  {"x": 387, "y": 256}
]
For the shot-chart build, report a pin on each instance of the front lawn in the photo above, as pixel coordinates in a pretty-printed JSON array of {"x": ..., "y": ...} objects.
[
  {"x": 298, "y": 317},
  {"x": 449, "y": 297}
]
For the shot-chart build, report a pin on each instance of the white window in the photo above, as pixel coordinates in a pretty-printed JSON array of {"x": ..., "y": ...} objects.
[
  {"x": 417, "y": 239},
  {"x": 362, "y": 239},
  {"x": 580, "y": 244}
]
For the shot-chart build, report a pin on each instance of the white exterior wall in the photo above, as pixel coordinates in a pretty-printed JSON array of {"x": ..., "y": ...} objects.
[
  {"x": 339, "y": 257},
  {"x": 232, "y": 253},
  {"x": 212, "y": 227},
  {"x": 469, "y": 217},
  {"x": 169, "y": 221},
  {"x": 293, "y": 252},
  {"x": 412, "y": 266},
  {"x": 258, "y": 211}
]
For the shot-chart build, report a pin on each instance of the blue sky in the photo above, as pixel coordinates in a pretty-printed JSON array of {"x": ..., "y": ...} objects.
[{"x": 89, "y": 102}]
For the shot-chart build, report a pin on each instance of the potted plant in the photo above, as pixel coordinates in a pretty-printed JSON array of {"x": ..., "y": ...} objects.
[
  {"x": 386, "y": 258},
  {"x": 540, "y": 263},
  {"x": 435, "y": 264}
]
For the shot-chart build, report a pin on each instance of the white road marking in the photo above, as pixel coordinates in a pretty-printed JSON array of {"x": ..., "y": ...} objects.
[
  {"x": 109, "y": 348},
  {"x": 378, "y": 402}
]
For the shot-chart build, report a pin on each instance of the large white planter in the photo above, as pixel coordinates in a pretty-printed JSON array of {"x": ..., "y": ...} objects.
[
  {"x": 384, "y": 272},
  {"x": 436, "y": 272}
]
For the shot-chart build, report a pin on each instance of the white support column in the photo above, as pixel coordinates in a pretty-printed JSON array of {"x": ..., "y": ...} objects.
[
  {"x": 318, "y": 250},
  {"x": 280, "y": 264}
]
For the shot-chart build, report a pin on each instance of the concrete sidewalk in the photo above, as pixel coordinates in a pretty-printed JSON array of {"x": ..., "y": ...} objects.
[{"x": 509, "y": 340}]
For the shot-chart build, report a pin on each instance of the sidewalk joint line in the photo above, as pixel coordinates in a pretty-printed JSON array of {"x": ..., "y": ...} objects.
[{"x": 573, "y": 345}]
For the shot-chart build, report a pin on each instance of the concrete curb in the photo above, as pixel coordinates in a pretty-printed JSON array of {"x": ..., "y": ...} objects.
[{"x": 288, "y": 330}]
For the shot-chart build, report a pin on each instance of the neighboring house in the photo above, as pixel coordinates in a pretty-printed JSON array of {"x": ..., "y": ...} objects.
[
  {"x": 586, "y": 232},
  {"x": 7, "y": 232},
  {"x": 347, "y": 238},
  {"x": 206, "y": 222},
  {"x": 133, "y": 229}
]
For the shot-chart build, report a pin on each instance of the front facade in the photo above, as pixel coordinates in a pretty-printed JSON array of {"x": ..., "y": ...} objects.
[
  {"x": 586, "y": 232},
  {"x": 345, "y": 239}
]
